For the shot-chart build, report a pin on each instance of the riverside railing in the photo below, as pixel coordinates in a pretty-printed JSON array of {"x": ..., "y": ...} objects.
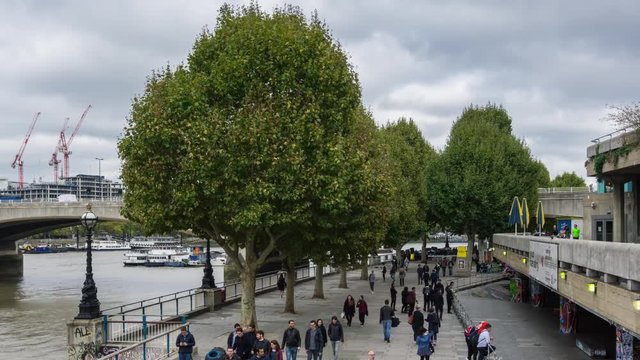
[
  {"x": 158, "y": 346},
  {"x": 136, "y": 328}
]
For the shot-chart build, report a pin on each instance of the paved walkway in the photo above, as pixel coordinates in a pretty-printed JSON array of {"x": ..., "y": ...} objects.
[{"x": 211, "y": 329}]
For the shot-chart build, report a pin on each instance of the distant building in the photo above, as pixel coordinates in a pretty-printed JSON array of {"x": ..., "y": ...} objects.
[{"x": 83, "y": 187}]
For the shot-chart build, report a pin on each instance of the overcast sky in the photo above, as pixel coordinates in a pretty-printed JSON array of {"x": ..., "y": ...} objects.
[{"x": 554, "y": 65}]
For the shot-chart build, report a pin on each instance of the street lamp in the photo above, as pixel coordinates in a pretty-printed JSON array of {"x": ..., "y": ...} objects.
[
  {"x": 89, "y": 307},
  {"x": 100, "y": 175},
  {"x": 208, "y": 281}
]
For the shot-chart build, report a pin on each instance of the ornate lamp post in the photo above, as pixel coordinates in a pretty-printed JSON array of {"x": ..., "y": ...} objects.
[
  {"x": 89, "y": 307},
  {"x": 208, "y": 282}
]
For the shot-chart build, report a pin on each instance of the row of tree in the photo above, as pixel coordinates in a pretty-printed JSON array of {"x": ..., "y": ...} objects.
[{"x": 261, "y": 143}]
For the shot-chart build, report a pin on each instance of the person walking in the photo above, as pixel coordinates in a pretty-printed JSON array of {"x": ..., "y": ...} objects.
[
  {"x": 372, "y": 280},
  {"x": 323, "y": 331},
  {"x": 420, "y": 271},
  {"x": 231, "y": 355},
  {"x": 185, "y": 343},
  {"x": 425, "y": 274},
  {"x": 417, "y": 322},
  {"x": 425, "y": 346},
  {"x": 484, "y": 342},
  {"x": 261, "y": 343},
  {"x": 411, "y": 300},
  {"x": 403, "y": 298},
  {"x": 349, "y": 309},
  {"x": 291, "y": 341},
  {"x": 276, "y": 351},
  {"x": 336, "y": 336},
  {"x": 434, "y": 275},
  {"x": 450, "y": 267},
  {"x": 363, "y": 310},
  {"x": 384, "y": 273},
  {"x": 282, "y": 285},
  {"x": 241, "y": 346},
  {"x": 443, "y": 266},
  {"x": 313, "y": 341},
  {"x": 394, "y": 294},
  {"x": 449, "y": 291},
  {"x": 386, "y": 313},
  {"x": 434, "y": 324},
  {"x": 403, "y": 273},
  {"x": 394, "y": 269},
  {"x": 438, "y": 302},
  {"x": 231, "y": 339},
  {"x": 438, "y": 286}
]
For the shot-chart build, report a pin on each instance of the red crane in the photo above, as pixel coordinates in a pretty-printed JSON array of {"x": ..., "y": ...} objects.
[
  {"x": 54, "y": 156},
  {"x": 66, "y": 144},
  {"x": 18, "y": 160}
]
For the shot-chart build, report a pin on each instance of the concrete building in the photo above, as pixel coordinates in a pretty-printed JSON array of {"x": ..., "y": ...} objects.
[{"x": 83, "y": 187}]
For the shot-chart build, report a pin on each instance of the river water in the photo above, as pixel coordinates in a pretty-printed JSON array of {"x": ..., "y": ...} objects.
[{"x": 34, "y": 310}]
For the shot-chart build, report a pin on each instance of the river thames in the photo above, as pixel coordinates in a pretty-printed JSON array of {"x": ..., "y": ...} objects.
[{"x": 34, "y": 310}]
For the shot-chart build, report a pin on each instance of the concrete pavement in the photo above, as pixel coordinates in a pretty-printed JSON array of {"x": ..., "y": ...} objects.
[{"x": 211, "y": 329}]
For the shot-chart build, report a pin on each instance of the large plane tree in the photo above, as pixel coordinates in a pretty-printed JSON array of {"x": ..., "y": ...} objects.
[{"x": 241, "y": 142}]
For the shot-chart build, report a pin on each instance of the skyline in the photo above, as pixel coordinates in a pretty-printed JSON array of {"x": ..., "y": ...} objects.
[{"x": 553, "y": 67}]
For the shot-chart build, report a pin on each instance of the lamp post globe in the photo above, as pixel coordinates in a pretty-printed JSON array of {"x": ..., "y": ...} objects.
[{"x": 89, "y": 307}]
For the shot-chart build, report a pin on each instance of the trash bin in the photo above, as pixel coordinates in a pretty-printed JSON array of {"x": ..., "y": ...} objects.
[{"x": 217, "y": 353}]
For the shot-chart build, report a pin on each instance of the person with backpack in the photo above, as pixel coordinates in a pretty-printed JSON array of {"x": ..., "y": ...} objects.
[
  {"x": 484, "y": 342},
  {"x": 425, "y": 346},
  {"x": 417, "y": 322},
  {"x": 434, "y": 324},
  {"x": 471, "y": 334}
]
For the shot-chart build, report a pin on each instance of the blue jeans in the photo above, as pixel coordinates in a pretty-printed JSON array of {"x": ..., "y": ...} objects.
[
  {"x": 335, "y": 346},
  {"x": 184, "y": 356},
  {"x": 386, "y": 326},
  {"x": 291, "y": 352}
]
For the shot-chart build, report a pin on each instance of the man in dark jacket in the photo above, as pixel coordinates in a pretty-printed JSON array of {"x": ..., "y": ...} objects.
[
  {"x": 250, "y": 335},
  {"x": 438, "y": 286},
  {"x": 411, "y": 300},
  {"x": 434, "y": 275},
  {"x": 185, "y": 343},
  {"x": 313, "y": 341},
  {"x": 232, "y": 336},
  {"x": 449, "y": 291},
  {"x": 386, "y": 313},
  {"x": 394, "y": 295},
  {"x": 438, "y": 302},
  {"x": 291, "y": 341},
  {"x": 242, "y": 345},
  {"x": 336, "y": 336},
  {"x": 261, "y": 343},
  {"x": 231, "y": 355},
  {"x": 418, "y": 322},
  {"x": 420, "y": 271}
]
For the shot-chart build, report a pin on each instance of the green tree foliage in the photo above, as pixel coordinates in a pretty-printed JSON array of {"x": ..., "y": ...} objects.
[
  {"x": 472, "y": 183},
  {"x": 567, "y": 179},
  {"x": 409, "y": 158},
  {"x": 245, "y": 143}
]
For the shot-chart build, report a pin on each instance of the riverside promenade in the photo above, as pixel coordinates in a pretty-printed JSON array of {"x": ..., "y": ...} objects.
[{"x": 211, "y": 329}]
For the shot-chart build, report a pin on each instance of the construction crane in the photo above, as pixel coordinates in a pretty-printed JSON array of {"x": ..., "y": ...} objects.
[
  {"x": 18, "y": 159},
  {"x": 66, "y": 144},
  {"x": 54, "y": 156}
]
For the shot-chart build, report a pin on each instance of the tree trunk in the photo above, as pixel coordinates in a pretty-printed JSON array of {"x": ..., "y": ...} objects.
[
  {"x": 364, "y": 270},
  {"x": 423, "y": 254},
  {"x": 248, "y": 301},
  {"x": 289, "y": 305},
  {"x": 343, "y": 278},
  {"x": 470, "y": 242},
  {"x": 318, "y": 290}
]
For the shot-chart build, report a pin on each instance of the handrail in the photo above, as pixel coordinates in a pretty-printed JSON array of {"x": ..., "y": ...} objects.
[
  {"x": 566, "y": 189},
  {"x": 128, "y": 348},
  {"x": 610, "y": 135}
]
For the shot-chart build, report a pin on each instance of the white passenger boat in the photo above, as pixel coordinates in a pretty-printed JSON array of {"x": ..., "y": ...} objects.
[
  {"x": 162, "y": 256},
  {"x": 135, "y": 258},
  {"x": 106, "y": 245},
  {"x": 151, "y": 242}
]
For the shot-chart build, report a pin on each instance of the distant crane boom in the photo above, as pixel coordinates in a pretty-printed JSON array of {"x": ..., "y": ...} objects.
[
  {"x": 54, "y": 156},
  {"x": 66, "y": 144},
  {"x": 18, "y": 159}
]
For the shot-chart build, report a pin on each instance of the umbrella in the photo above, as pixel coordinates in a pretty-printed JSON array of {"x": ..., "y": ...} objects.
[
  {"x": 540, "y": 216},
  {"x": 515, "y": 215},
  {"x": 525, "y": 214}
]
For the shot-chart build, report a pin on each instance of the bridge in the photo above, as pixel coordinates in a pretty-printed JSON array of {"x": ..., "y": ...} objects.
[{"x": 21, "y": 219}]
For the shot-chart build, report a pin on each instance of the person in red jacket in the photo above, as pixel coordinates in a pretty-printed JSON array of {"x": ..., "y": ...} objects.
[{"x": 363, "y": 310}]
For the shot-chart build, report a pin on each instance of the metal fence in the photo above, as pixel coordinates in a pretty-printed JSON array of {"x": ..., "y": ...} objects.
[
  {"x": 557, "y": 190},
  {"x": 164, "y": 307},
  {"x": 158, "y": 346}
]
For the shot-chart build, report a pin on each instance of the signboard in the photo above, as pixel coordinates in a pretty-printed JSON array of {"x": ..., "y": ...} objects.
[
  {"x": 461, "y": 263},
  {"x": 462, "y": 252},
  {"x": 543, "y": 263}
]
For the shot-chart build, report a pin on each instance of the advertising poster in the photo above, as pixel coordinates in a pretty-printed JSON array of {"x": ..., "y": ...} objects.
[{"x": 543, "y": 263}]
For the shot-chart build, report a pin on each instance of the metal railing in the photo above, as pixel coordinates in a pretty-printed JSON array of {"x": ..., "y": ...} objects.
[
  {"x": 159, "y": 346},
  {"x": 555, "y": 190},
  {"x": 611, "y": 134},
  {"x": 165, "y": 306},
  {"x": 135, "y": 329}
]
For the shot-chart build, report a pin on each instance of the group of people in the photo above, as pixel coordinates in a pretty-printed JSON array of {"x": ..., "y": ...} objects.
[{"x": 248, "y": 344}]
